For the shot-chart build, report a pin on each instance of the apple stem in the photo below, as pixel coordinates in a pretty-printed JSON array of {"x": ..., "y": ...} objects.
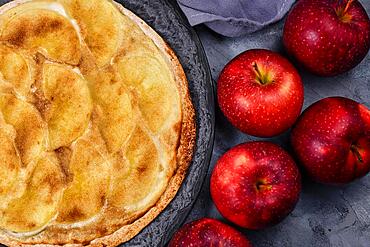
[
  {"x": 262, "y": 186},
  {"x": 259, "y": 74},
  {"x": 349, "y": 2},
  {"x": 262, "y": 78},
  {"x": 342, "y": 10},
  {"x": 355, "y": 151}
]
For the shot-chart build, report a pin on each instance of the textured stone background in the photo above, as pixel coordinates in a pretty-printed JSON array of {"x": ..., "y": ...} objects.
[{"x": 324, "y": 216}]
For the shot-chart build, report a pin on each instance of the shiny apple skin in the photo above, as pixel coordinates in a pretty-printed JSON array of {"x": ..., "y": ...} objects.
[
  {"x": 255, "y": 185},
  {"x": 208, "y": 232},
  {"x": 325, "y": 135},
  {"x": 255, "y": 109},
  {"x": 315, "y": 35}
]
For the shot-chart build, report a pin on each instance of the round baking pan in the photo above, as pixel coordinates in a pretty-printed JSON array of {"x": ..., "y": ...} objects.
[{"x": 165, "y": 18}]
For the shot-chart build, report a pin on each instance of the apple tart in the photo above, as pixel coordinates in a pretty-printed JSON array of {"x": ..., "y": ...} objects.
[{"x": 96, "y": 123}]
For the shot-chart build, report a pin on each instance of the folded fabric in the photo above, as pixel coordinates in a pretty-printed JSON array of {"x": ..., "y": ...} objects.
[{"x": 234, "y": 18}]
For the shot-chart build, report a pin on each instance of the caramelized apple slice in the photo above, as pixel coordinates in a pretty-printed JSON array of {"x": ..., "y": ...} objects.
[
  {"x": 30, "y": 129},
  {"x": 158, "y": 97},
  {"x": 70, "y": 104},
  {"x": 139, "y": 177},
  {"x": 116, "y": 120},
  {"x": 38, "y": 205},
  {"x": 44, "y": 31},
  {"x": 90, "y": 167},
  {"x": 100, "y": 24},
  {"x": 15, "y": 69},
  {"x": 10, "y": 164}
]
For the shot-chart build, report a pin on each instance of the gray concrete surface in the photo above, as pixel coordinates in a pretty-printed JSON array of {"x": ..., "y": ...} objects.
[{"x": 324, "y": 216}]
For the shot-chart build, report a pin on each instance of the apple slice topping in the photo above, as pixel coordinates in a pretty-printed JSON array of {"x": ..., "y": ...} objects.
[
  {"x": 43, "y": 31},
  {"x": 70, "y": 104},
  {"x": 10, "y": 165},
  {"x": 115, "y": 116},
  {"x": 148, "y": 78},
  {"x": 90, "y": 167},
  {"x": 14, "y": 68},
  {"x": 28, "y": 125},
  {"x": 100, "y": 25},
  {"x": 39, "y": 203},
  {"x": 142, "y": 177}
]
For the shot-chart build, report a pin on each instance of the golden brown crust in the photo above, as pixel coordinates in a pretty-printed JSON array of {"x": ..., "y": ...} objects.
[{"x": 184, "y": 151}]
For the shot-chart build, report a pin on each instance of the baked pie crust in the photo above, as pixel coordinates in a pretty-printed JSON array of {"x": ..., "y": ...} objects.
[{"x": 96, "y": 123}]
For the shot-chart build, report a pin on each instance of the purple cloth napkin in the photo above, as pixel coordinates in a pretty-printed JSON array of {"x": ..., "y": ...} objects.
[{"x": 234, "y": 18}]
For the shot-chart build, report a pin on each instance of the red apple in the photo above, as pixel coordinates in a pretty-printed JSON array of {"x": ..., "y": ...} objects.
[
  {"x": 332, "y": 140},
  {"x": 328, "y": 37},
  {"x": 255, "y": 185},
  {"x": 207, "y": 233},
  {"x": 261, "y": 93}
]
